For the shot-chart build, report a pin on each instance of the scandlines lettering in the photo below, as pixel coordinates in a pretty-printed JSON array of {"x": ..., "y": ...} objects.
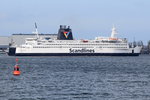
[{"x": 81, "y": 50}]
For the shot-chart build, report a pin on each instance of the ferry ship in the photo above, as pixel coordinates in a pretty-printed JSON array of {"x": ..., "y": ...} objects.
[{"x": 66, "y": 45}]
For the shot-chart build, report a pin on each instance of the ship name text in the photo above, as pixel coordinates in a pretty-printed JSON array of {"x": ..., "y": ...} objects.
[{"x": 81, "y": 50}]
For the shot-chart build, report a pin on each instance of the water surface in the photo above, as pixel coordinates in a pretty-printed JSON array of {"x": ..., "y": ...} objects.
[{"x": 76, "y": 78}]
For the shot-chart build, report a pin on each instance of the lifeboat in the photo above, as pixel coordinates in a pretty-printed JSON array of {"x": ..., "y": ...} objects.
[
  {"x": 114, "y": 39},
  {"x": 85, "y": 41}
]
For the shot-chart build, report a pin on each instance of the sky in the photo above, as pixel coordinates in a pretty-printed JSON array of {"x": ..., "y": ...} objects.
[{"x": 87, "y": 18}]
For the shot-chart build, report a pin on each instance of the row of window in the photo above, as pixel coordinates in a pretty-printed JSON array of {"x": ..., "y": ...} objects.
[
  {"x": 72, "y": 47},
  {"x": 88, "y": 44}
]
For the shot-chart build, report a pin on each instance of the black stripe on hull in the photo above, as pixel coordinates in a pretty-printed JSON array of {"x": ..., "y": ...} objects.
[
  {"x": 77, "y": 54},
  {"x": 12, "y": 51}
]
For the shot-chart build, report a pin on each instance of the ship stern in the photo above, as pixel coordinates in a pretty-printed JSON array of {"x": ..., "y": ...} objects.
[{"x": 12, "y": 51}]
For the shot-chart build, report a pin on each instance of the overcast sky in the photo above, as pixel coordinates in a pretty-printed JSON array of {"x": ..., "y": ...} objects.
[{"x": 87, "y": 18}]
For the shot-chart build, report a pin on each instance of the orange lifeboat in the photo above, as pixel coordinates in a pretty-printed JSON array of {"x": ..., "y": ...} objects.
[
  {"x": 113, "y": 39},
  {"x": 16, "y": 69},
  {"x": 85, "y": 41}
]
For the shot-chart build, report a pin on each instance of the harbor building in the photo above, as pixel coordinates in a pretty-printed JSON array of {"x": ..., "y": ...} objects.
[
  {"x": 4, "y": 43},
  {"x": 18, "y": 39}
]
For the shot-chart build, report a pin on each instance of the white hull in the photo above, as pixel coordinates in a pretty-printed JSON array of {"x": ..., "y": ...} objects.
[
  {"x": 30, "y": 51},
  {"x": 76, "y": 50}
]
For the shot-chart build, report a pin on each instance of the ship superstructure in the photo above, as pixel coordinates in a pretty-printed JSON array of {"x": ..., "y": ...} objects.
[{"x": 65, "y": 45}]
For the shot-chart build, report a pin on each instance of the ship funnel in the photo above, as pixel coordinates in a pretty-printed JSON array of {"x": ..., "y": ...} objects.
[
  {"x": 114, "y": 32},
  {"x": 65, "y": 33}
]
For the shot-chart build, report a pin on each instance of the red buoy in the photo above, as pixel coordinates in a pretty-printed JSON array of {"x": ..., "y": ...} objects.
[{"x": 16, "y": 69}]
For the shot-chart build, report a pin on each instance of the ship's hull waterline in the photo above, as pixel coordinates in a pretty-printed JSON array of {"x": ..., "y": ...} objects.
[
  {"x": 12, "y": 52},
  {"x": 77, "y": 54}
]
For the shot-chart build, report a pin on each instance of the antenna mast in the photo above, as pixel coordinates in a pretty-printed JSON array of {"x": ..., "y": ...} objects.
[{"x": 36, "y": 31}]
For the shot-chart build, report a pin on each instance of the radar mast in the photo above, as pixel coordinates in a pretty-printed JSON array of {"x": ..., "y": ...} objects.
[
  {"x": 36, "y": 31},
  {"x": 114, "y": 32}
]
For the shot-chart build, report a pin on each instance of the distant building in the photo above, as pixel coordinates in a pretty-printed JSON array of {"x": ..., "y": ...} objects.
[
  {"x": 4, "y": 43},
  {"x": 4, "y": 40},
  {"x": 18, "y": 39},
  {"x": 144, "y": 50}
]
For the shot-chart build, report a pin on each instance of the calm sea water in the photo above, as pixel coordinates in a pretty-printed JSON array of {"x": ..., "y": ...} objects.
[{"x": 76, "y": 78}]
